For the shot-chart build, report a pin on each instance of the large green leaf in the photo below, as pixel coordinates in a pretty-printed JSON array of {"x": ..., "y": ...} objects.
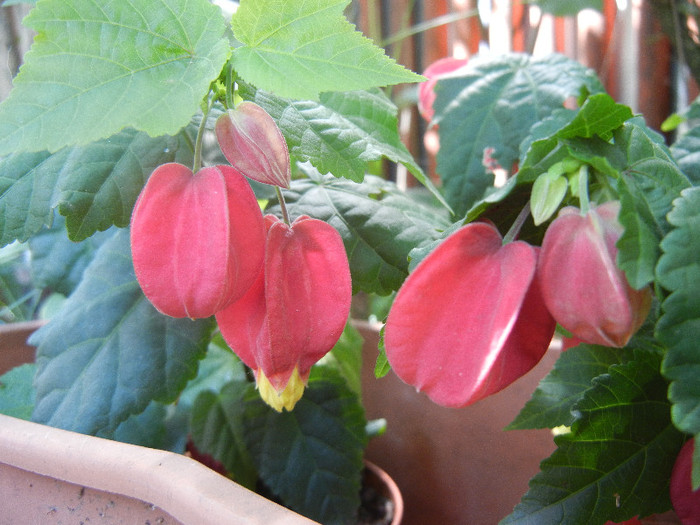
[
  {"x": 552, "y": 402},
  {"x": 616, "y": 461},
  {"x": 493, "y": 104},
  {"x": 648, "y": 184},
  {"x": 311, "y": 457},
  {"x": 379, "y": 224},
  {"x": 300, "y": 49},
  {"x": 679, "y": 327},
  {"x": 108, "y": 353},
  {"x": 96, "y": 68},
  {"x": 218, "y": 427},
  {"x": 686, "y": 148},
  {"x": 94, "y": 186},
  {"x": 57, "y": 263},
  {"x": 343, "y": 132}
]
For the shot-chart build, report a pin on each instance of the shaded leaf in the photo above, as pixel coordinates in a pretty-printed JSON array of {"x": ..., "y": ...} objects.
[
  {"x": 342, "y": 132},
  {"x": 108, "y": 353},
  {"x": 616, "y": 461},
  {"x": 58, "y": 263},
  {"x": 300, "y": 49},
  {"x": 493, "y": 104},
  {"x": 566, "y": 7},
  {"x": 679, "y": 327},
  {"x": 218, "y": 427},
  {"x": 379, "y": 224},
  {"x": 94, "y": 186},
  {"x": 552, "y": 402},
  {"x": 95, "y": 69},
  {"x": 311, "y": 457},
  {"x": 17, "y": 392}
]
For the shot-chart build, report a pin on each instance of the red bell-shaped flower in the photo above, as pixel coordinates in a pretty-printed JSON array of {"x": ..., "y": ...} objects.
[
  {"x": 197, "y": 240},
  {"x": 582, "y": 286},
  {"x": 251, "y": 141},
  {"x": 469, "y": 320},
  {"x": 296, "y": 310},
  {"x": 685, "y": 500}
]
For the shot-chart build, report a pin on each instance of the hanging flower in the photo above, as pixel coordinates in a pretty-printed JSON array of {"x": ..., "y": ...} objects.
[
  {"x": 469, "y": 320},
  {"x": 582, "y": 286},
  {"x": 197, "y": 240},
  {"x": 296, "y": 310},
  {"x": 434, "y": 72},
  {"x": 251, "y": 141}
]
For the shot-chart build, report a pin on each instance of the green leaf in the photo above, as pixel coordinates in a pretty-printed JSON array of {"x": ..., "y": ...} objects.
[
  {"x": 58, "y": 263},
  {"x": 300, "y": 49},
  {"x": 346, "y": 357},
  {"x": 217, "y": 430},
  {"x": 343, "y": 132},
  {"x": 547, "y": 193},
  {"x": 493, "y": 104},
  {"x": 379, "y": 224},
  {"x": 649, "y": 183},
  {"x": 146, "y": 429},
  {"x": 382, "y": 366},
  {"x": 311, "y": 457},
  {"x": 17, "y": 392},
  {"x": 686, "y": 148},
  {"x": 100, "y": 182},
  {"x": 94, "y": 186},
  {"x": 552, "y": 402},
  {"x": 567, "y": 7},
  {"x": 108, "y": 353},
  {"x": 97, "y": 68},
  {"x": 679, "y": 327},
  {"x": 616, "y": 462}
]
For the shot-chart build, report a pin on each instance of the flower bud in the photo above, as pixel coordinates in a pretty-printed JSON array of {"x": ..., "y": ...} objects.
[
  {"x": 296, "y": 310},
  {"x": 470, "y": 319},
  {"x": 582, "y": 286},
  {"x": 197, "y": 240},
  {"x": 251, "y": 141}
]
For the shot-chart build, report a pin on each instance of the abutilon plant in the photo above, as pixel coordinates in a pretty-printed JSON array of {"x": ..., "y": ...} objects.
[
  {"x": 252, "y": 142},
  {"x": 197, "y": 239},
  {"x": 583, "y": 288},
  {"x": 470, "y": 319},
  {"x": 296, "y": 310}
]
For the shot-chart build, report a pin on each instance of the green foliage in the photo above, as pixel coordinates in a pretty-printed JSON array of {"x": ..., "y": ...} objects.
[
  {"x": 493, "y": 104},
  {"x": 94, "y": 186},
  {"x": 95, "y": 69},
  {"x": 300, "y": 49},
  {"x": 311, "y": 457},
  {"x": 553, "y": 401},
  {"x": 567, "y": 7},
  {"x": 109, "y": 353},
  {"x": 16, "y": 392},
  {"x": 342, "y": 133},
  {"x": 615, "y": 462},
  {"x": 379, "y": 224},
  {"x": 679, "y": 327}
]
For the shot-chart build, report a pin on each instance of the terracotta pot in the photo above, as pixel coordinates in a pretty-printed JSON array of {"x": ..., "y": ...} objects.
[{"x": 52, "y": 475}]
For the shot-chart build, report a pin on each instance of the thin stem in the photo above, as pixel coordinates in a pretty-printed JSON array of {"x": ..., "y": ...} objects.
[
  {"x": 197, "y": 164},
  {"x": 230, "y": 81},
  {"x": 583, "y": 189},
  {"x": 428, "y": 24},
  {"x": 283, "y": 206},
  {"x": 517, "y": 224}
]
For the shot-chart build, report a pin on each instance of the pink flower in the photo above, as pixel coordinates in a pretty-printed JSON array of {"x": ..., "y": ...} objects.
[
  {"x": 435, "y": 71},
  {"x": 470, "y": 319},
  {"x": 582, "y": 286},
  {"x": 197, "y": 240},
  {"x": 296, "y": 310}
]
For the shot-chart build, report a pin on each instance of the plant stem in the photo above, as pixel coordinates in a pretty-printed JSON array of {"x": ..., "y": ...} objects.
[
  {"x": 517, "y": 224},
  {"x": 584, "y": 203},
  {"x": 230, "y": 80},
  {"x": 283, "y": 206},
  {"x": 197, "y": 163}
]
